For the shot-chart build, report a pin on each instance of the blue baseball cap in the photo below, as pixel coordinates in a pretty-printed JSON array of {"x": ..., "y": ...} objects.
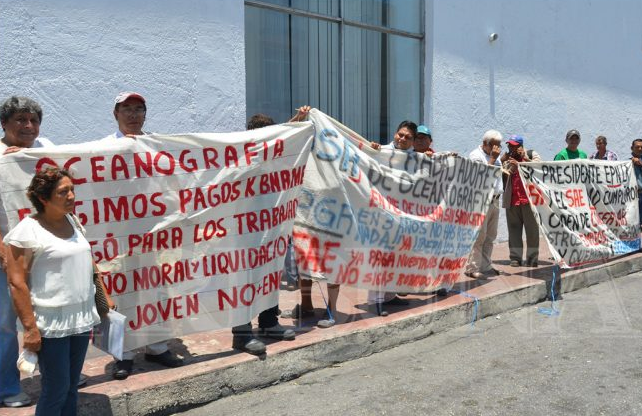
[
  {"x": 423, "y": 130},
  {"x": 516, "y": 140}
]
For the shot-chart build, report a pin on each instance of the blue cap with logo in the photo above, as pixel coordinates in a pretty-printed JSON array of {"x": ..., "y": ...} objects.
[
  {"x": 516, "y": 140},
  {"x": 423, "y": 130}
]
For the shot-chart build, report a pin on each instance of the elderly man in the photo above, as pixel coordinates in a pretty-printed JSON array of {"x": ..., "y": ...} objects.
[
  {"x": 21, "y": 118},
  {"x": 602, "y": 153},
  {"x": 519, "y": 215},
  {"x": 572, "y": 143},
  {"x": 129, "y": 111},
  {"x": 479, "y": 262}
]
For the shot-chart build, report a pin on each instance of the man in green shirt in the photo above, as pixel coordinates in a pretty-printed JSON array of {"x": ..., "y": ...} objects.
[{"x": 571, "y": 151}]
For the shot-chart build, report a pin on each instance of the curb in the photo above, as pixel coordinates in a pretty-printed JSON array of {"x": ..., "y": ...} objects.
[{"x": 200, "y": 389}]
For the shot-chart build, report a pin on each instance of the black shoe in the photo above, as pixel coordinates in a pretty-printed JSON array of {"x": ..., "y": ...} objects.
[
  {"x": 378, "y": 309},
  {"x": 515, "y": 263},
  {"x": 532, "y": 264},
  {"x": 122, "y": 369},
  {"x": 167, "y": 359},
  {"x": 397, "y": 301},
  {"x": 248, "y": 344},
  {"x": 442, "y": 292},
  {"x": 278, "y": 332},
  {"x": 493, "y": 271},
  {"x": 475, "y": 275}
]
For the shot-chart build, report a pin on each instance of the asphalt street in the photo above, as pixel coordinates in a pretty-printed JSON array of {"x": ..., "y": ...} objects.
[{"x": 584, "y": 361}]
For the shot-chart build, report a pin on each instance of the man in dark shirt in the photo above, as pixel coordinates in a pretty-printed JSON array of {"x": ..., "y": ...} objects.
[{"x": 636, "y": 158}]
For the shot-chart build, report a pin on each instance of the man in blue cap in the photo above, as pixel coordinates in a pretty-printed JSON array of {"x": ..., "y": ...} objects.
[
  {"x": 423, "y": 141},
  {"x": 519, "y": 215}
]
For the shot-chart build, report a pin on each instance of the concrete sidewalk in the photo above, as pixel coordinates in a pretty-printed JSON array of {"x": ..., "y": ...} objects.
[{"x": 213, "y": 370}]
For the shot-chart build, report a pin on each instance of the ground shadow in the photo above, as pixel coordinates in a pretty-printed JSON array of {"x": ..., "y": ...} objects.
[{"x": 88, "y": 403}]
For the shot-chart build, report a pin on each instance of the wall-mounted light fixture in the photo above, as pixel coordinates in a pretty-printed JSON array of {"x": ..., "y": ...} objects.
[{"x": 493, "y": 37}]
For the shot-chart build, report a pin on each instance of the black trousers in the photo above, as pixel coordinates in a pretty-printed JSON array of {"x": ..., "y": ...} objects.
[{"x": 267, "y": 319}]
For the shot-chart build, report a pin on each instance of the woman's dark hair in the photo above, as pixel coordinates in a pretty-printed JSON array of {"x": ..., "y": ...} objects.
[
  {"x": 258, "y": 121},
  {"x": 409, "y": 125},
  {"x": 43, "y": 184}
]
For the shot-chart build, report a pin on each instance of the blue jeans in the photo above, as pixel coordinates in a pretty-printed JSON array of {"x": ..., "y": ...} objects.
[
  {"x": 9, "y": 375},
  {"x": 60, "y": 361}
]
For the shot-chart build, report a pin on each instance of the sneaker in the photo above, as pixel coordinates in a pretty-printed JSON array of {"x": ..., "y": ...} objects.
[
  {"x": 248, "y": 344},
  {"x": 122, "y": 369},
  {"x": 167, "y": 359},
  {"x": 475, "y": 275},
  {"x": 82, "y": 380},
  {"x": 326, "y": 323},
  {"x": 278, "y": 332},
  {"x": 19, "y": 400}
]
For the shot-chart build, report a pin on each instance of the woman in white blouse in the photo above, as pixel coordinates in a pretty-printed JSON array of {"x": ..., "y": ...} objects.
[{"x": 50, "y": 275}]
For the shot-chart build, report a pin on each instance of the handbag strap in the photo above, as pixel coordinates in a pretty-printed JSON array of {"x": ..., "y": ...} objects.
[{"x": 76, "y": 221}]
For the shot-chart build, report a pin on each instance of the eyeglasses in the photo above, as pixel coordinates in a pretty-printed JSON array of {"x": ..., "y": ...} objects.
[{"x": 128, "y": 111}]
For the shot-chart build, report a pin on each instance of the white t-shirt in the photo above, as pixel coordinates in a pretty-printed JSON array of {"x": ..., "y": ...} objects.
[
  {"x": 60, "y": 281},
  {"x": 117, "y": 135},
  {"x": 478, "y": 155},
  {"x": 4, "y": 222},
  {"x": 393, "y": 145}
]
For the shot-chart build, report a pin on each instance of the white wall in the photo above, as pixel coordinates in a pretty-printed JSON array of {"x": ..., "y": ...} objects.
[
  {"x": 557, "y": 65},
  {"x": 74, "y": 56}
]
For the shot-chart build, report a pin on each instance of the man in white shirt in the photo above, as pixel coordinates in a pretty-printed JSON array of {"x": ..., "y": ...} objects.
[
  {"x": 130, "y": 110},
  {"x": 479, "y": 262},
  {"x": 21, "y": 118}
]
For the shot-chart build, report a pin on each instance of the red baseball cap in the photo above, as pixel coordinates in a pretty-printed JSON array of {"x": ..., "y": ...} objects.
[{"x": 124, "y": 96}]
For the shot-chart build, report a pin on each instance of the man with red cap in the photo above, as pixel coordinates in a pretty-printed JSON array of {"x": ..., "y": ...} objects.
[{"x": 129, "y": 111}]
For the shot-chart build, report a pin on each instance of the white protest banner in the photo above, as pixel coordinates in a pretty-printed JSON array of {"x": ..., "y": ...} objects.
[
  {"x": 190, "y": 231},
  {"x": 387, "y": 220},
  {"x": 587, "y": 209}
]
